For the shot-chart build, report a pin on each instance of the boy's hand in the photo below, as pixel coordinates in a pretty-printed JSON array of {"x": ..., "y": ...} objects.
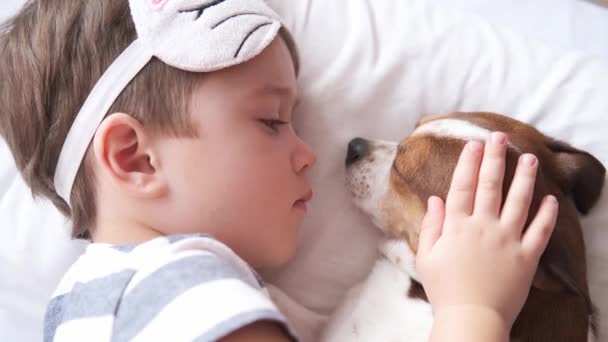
[{"x": 472, "y": 256}]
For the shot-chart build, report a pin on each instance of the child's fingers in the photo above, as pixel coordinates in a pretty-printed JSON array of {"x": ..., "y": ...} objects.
[
  {"x": 489, "y": 186},
  {"x": 464, "y": 181},
  {"x": 431, "y": 225},
  {"x": 537, "y": 236},
  {"x": 517, "y": 204}
]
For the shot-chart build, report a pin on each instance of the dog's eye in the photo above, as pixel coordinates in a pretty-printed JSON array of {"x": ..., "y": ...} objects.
[{"x": 273, "y": 124}]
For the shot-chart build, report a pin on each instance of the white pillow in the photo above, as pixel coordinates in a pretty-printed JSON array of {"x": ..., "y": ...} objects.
[
  {"x": 369, "y": 68},
  {"x": 35, "y": 251},
  {"x": 566, "y": 24}
]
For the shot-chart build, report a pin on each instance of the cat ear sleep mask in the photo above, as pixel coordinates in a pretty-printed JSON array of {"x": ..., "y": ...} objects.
[{"x": 190, "y": 35}]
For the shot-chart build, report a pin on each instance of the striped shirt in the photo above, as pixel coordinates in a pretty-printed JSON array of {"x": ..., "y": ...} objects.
[{"x": 177, "y": 288}]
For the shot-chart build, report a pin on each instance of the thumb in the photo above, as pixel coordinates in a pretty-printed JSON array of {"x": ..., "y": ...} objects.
[{"x": 432, "y": 225}]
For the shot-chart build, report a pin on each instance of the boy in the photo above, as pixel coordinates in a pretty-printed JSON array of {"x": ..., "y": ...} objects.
[{"x": 163, "y": 130}]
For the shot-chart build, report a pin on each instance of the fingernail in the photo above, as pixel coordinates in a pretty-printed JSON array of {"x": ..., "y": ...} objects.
[
  {"x": 499, "y": 138},
  {"x": 551, "y": 200},
  {"x": 474, "y": 146},
  {"x": 432, "y": 202},
  {"x": 429, "y": 203},
  {"x": 529, "y": 159}
]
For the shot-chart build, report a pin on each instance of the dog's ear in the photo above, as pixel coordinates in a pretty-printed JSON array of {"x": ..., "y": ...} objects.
[
  {"x": 581, "y": 175},
  {"x": 556, "y": 269},
  {"x": 556, "y": 273}
]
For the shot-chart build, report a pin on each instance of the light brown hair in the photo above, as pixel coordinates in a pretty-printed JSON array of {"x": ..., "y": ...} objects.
[{"x": 52, "y": 54}]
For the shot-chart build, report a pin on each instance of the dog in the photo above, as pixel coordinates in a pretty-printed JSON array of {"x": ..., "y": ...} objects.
[{"x": 391, "y": 183}]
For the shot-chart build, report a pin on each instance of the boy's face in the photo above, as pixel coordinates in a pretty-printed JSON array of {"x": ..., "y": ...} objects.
[{"x": 243, "y": 179}]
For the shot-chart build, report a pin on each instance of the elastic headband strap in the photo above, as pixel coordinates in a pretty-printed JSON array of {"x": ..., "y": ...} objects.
[{"x": 111, "y": 84}]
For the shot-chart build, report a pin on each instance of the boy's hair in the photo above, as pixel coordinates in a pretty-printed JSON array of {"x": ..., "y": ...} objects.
[{"x": 53, "y": 53}]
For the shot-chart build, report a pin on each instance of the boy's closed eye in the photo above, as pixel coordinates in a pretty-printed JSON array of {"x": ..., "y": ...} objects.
[{"x": 273, "y": 124}]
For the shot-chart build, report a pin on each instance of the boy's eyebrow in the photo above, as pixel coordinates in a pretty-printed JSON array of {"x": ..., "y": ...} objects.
[
  {"x": 276, "y": 90},
  {"x": 279, "y": 90}
]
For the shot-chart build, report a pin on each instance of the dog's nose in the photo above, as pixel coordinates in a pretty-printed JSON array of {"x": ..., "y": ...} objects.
[{"x": 358, "y": 148}]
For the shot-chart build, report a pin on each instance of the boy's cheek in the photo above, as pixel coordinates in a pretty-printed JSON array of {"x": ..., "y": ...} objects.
[{"x": 281, "y": 246}]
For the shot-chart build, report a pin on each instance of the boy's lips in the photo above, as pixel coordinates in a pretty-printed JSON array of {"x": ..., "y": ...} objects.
[
  {"x": 303, "y": 201},
  {"x": 307, "y": 197}
]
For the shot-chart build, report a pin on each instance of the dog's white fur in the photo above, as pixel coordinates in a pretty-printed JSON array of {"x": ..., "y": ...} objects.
[
  {"x": 369, "y": 182},
  {"x": 379, "y": 309},
  {"x": 454, "y": 128}
]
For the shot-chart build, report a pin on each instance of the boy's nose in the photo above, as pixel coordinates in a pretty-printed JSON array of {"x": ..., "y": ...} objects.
[
  {"x": 305, "y": 158},
  {"x": 358, "y": 148}
]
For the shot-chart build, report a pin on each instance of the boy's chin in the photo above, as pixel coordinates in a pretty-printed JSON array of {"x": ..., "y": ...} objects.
[{"x": 277, "y": 256}]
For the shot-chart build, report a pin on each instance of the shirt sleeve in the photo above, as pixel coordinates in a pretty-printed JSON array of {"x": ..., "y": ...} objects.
[{"x": 191, "y": 296}]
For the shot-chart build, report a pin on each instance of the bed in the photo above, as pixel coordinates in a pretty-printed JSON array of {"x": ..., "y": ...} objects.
[{"x": 369, "y": 68}]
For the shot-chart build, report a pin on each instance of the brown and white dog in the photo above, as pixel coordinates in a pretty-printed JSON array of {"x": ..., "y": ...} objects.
[{"x": 391, "y": 183}]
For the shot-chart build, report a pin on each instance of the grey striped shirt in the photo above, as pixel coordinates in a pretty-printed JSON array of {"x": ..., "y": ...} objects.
[{"x": 177, "y": 288}]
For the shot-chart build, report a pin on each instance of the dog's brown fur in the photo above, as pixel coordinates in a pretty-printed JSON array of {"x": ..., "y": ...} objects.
[{"x": 558, "y": 308}]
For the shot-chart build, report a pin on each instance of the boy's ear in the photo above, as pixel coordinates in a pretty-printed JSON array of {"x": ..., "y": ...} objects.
[{"x": 124, "y": 152}]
